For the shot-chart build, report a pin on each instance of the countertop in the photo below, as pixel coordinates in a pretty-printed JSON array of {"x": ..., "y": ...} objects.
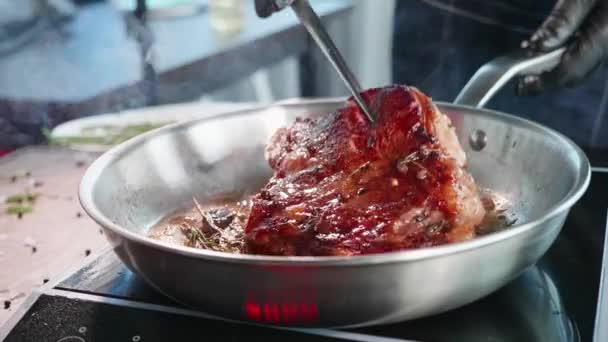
[{"x": 56, "y": 234}]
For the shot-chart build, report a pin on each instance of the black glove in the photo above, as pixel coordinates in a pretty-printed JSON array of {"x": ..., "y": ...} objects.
[
  {"x": 265, "y": 8},
  {"x": 580, "y": 25}
]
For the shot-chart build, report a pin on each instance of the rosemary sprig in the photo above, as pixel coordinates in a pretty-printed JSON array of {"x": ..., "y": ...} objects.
[
  {"x": 217, "y": 239},
  {"x": 206, "y": 219},
  {"x": 195, "y": 238}
]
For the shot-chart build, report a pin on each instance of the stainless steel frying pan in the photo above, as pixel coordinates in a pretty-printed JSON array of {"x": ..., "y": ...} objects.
[{"x": 132, "y": 186}]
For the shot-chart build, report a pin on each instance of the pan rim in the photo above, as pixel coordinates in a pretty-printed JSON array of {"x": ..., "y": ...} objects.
[{"x": 98, "y": 166}]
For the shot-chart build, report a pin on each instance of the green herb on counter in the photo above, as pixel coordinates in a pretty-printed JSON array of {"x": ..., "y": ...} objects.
[
  {"x": 20, "y": 204},
  {"x": 20, "y": 198},
  {"x": 19, "y": 209}
]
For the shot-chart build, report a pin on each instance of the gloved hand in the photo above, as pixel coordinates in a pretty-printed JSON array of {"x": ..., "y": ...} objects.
[
  {"x": 581, "y": 26},
  {"x": 265, "y": 8}
]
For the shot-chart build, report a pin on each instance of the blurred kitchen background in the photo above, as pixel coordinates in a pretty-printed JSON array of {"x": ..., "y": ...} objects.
[{"x": 67, "y": 59}]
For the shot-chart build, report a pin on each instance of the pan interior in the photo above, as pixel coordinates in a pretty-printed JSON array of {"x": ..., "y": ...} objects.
[{"x": 154, "y": 175}]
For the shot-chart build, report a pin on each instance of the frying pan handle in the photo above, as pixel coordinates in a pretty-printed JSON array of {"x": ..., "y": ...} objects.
[{"x": 492, "y": 76}]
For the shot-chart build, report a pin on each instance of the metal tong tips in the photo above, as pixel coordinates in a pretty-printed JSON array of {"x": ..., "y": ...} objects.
[{"x": 313, "y": 25}]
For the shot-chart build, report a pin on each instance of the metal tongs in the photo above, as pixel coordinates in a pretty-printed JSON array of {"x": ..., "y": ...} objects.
[{"x": 313, "y": 25}]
